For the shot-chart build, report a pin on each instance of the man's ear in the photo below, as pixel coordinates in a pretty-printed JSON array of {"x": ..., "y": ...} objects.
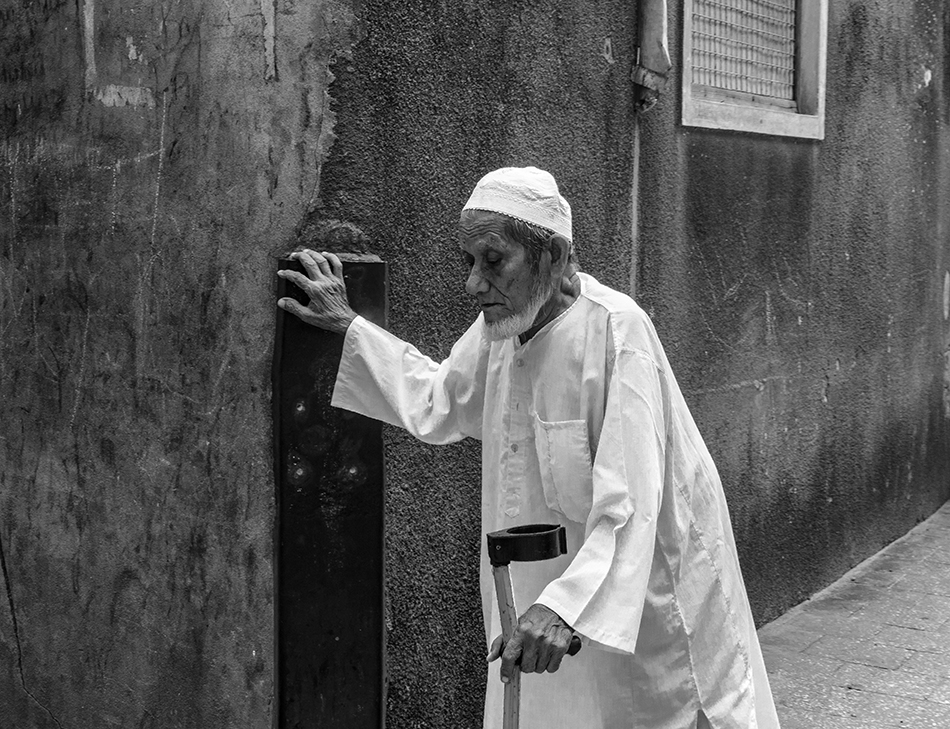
[{"x": 560, "y": 249}]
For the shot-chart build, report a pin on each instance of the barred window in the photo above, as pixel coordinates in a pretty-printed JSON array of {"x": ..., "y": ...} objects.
[{"x": 755, "y": 65}]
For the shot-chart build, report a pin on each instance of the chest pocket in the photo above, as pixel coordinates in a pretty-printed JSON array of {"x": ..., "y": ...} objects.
[{"x": 566, "y": 470}]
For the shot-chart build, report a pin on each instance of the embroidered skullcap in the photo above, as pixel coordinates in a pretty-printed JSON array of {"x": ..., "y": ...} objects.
[{"x": 525, "y": 193}]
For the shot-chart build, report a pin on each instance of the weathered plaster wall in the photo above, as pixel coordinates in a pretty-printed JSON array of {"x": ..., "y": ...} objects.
[
  {"x": 434, "y": 96},
  {"x": 154, "y": 154},
  {"x": 798, "y": 286}
]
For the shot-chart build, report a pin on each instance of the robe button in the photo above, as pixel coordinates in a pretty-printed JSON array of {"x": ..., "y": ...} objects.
[
  {"x": 521, "y": 363},
  {"x": 514, "y": 447}
]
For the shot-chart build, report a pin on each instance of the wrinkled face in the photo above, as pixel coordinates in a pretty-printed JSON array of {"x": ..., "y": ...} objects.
[{"x": 508, "y": 286}]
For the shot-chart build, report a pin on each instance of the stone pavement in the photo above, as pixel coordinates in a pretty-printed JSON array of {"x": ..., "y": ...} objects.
[{"x": 873, "y": 649}]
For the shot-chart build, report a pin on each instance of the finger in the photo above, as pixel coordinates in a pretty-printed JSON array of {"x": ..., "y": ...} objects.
[
  {"x": 321, "y": 262},
  {"x": 306, "y": 260},
  {"x": 551, "y": 648},
  {"x": 311, "y": 261},
  {"x": 555, "y": 662},
  {"x": 559, "y": 649},
  {"x": 545, "y": 654},
  {"x": 293, "y": 307},
  {"x": 496, "y": 647},
  {"x": 530, "y": 654},
  {"x": 336, "y": 265},
  {"x": 295, "y": 277},
  {"x": 509, "y": 658}
]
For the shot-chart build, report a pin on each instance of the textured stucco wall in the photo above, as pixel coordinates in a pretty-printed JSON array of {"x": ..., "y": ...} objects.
[
  {"x": 435, "y": 95},
  {"x": 151, "y": 162},
  {"x": 798, "y": 286}
]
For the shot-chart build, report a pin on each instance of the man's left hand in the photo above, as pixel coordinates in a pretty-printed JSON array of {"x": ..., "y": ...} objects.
[{"x": 540, "y": 641}]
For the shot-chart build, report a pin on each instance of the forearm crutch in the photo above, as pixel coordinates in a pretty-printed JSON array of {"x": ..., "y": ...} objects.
[{"x": 529, "y": 543}]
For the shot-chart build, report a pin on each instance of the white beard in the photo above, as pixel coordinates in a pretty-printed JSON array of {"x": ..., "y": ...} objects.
[{"x": 522, "y": 321}]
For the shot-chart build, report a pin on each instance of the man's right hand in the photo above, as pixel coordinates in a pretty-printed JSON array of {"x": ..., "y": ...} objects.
[
  {"x": 329, "y": 308},
  {"x": 540, "y": 641}
]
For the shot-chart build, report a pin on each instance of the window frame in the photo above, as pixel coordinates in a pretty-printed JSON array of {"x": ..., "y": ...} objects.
[{"x": 730, "y": 112}]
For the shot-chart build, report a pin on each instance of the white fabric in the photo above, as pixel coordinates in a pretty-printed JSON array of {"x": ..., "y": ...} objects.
[
  {"x": 526, "y": 193},
  {"x": 584, "y": 425}
]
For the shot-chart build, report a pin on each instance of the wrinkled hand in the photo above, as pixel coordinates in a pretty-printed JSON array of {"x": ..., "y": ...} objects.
[
  {"x": 329, "y": 308},
  {"x": 540, "y": 640}
]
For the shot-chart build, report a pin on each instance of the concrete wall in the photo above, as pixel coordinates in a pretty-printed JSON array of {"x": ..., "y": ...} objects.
[
  {"x": 799, "y": 288},
  {"x": 154, "y": 154}
]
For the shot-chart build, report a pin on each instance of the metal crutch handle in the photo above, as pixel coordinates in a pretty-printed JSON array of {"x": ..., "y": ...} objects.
[{"x": 528, "y": 543}]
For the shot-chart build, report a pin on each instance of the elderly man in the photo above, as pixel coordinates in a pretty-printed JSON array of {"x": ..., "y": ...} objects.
[{"x": 581, "y": 421}]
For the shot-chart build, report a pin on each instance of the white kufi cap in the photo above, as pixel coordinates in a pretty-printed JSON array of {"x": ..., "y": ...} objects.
[{"x": 525, "y": 193}]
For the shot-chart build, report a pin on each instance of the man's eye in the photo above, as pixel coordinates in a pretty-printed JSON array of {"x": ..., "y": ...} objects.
[{"x": 493, "y": 260}]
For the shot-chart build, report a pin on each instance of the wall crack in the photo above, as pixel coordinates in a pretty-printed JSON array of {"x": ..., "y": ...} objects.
[
  {"x": 269, "y": 16},
  {"x": 16, "y": 636}
]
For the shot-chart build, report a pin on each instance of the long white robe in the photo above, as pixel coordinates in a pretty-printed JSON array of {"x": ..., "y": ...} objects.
[{"x": 584, "y": 425}]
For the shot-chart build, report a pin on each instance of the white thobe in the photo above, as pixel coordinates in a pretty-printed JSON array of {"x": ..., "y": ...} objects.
[{"x": 585, "y": 426}]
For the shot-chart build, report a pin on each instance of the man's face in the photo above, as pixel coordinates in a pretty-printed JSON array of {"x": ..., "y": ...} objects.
[{"x": 501, "y": 277}]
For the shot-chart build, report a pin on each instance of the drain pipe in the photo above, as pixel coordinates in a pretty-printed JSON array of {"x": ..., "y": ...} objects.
[
  {"x": 653, "y": 55},
  {"x": 649, "y": 76}
]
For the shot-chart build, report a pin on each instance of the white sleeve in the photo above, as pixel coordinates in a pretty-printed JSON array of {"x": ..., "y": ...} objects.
[
  {"x": 385, "y": 378},
  {"x": 602, "y": 592}
]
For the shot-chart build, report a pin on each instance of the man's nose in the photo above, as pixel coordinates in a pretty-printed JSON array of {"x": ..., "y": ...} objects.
[{"x": 476, "y": 283}]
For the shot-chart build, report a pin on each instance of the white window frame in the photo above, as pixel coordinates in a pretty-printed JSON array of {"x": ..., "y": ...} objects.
[{"x": 730, "y": 113}]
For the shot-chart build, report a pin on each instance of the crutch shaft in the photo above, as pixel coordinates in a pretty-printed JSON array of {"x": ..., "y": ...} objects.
[{"x": 508, "y": 614}]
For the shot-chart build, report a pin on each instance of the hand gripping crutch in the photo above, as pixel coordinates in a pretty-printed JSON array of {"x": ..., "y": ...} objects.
[{"x": 529, "y": 543}]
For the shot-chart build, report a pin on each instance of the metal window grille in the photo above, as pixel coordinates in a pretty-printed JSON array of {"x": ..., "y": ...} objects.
[{"x": 745, "y": 46}]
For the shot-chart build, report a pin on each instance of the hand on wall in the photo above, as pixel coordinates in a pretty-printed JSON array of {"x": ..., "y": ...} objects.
[{"x": 329, "y": 307}]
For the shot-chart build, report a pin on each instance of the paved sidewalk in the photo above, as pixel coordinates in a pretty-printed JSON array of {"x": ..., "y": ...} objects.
[{"x": 873, "y": 649}]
